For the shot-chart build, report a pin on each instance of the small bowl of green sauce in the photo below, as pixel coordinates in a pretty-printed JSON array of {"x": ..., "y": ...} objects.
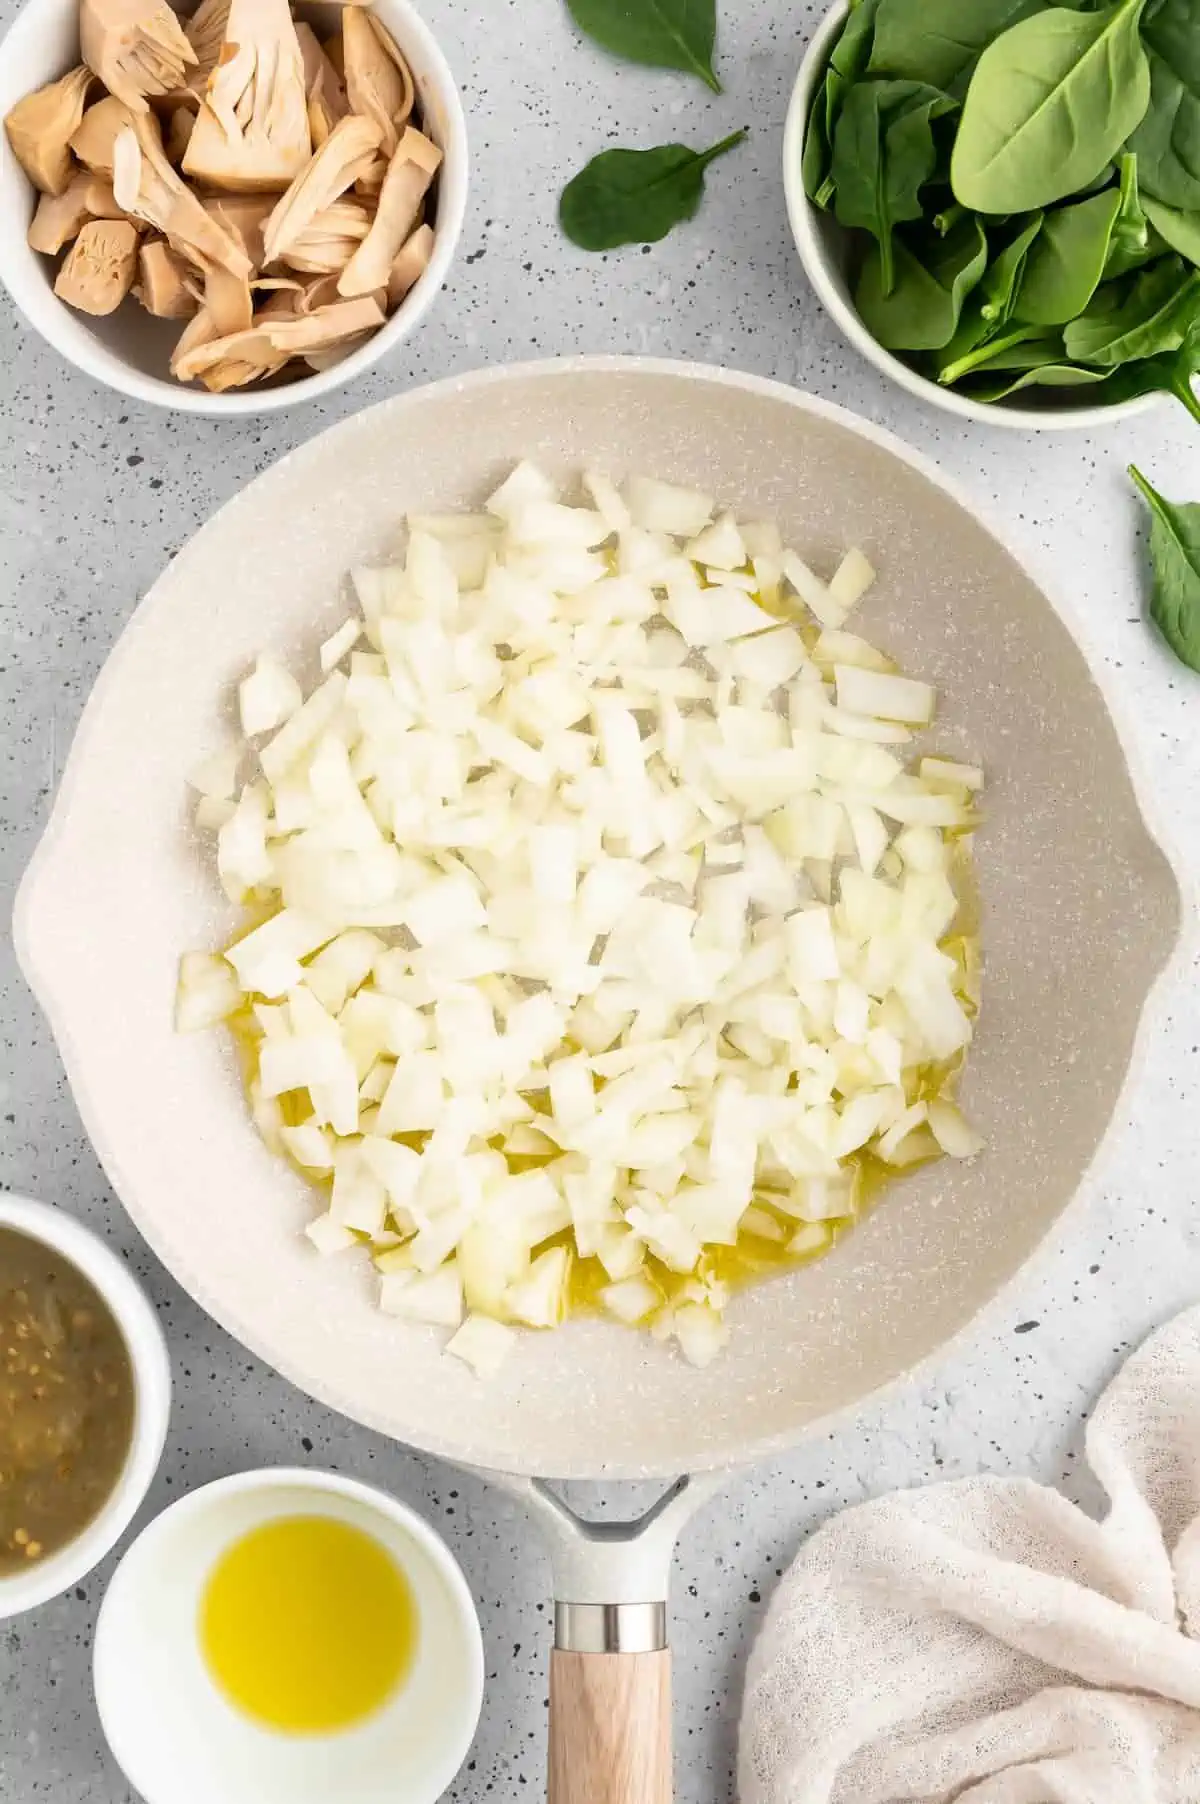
[{"x": 84, "y": 1400}]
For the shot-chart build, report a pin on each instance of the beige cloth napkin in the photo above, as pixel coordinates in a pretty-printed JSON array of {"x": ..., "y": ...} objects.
[{"x": 986, "y": 1641}]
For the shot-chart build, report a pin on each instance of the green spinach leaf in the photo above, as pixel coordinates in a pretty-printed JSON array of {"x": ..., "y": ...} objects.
[
  {"x": 1003, "y": 276},
  {"x": 1130, "y": 234},
  {"x": 1180, "y": 230},
  {"x": 987, "y": 310},
  {"x": 666, "y": 34},
  {"x": 1050, "y": 103},
  {"x": 1017, "y": 348},
  {"x": 1123, "y": 322},
  {"x": 1124, "y": 263},
  {"x": 923, "y": 307},
  {"x": 636, "y": 196},
  {"x": 948, "y": 218},
  {"x": 940, "y": 41},
  {"x": 816, "y": 155},
  {"x": 1064, "y": 268},
  {"x": 1101, "y": 181},
  {"x": 852, "y": 52},
  {"x": 836, "y": 87},
  {"x": 884, "y": 151},
  {"x": 1041, "y": 375},
  {"x": 847, "y": 63},
  {"x": 1167, "y": 141},
  {"x": 1175, "y": 556},
  {"x": 1172, "y": 373},
  {"x": 972, "y": 329}
]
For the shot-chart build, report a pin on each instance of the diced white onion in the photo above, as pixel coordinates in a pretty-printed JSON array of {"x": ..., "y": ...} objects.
[
  {"x": 435, "y": 1297},
  {"x": 890, "y": 697},
  {"x": 851, "y": 580},
  {"x": 338, "y": 644},
  {"x": 208, "y": 992},
  {"x": 596, "y": 915},
  {"x": 267, "y": 697},
  {"x": 216, "y": 776},
  {"x": 483, "y": 1344}
]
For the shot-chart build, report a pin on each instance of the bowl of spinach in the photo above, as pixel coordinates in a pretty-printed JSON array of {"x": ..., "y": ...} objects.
[{"x": 999, "y": 200}]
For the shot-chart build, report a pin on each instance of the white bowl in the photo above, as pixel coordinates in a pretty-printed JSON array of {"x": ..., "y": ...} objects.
[
  {"x": 824, "y": 251},
  {"x": 129, "y": 350},
  {"x": 152, "y": 1400},
  {"x": 180, "y": 1741}
]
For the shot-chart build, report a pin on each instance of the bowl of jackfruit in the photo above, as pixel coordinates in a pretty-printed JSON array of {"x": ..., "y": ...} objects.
[{"x": 231, "y": 209}]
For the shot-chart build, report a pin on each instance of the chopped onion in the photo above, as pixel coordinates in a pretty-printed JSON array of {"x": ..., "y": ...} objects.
[
  {"x": 877, "y": 692},
  {"x": 483, "y": 1344},
  {"x": 208, "y": 992},
  {"x": 700, "y": 1332},
  {"x": 216, "y": 777},
  {"x": 344, "y": 640},
  {"x": 851, "y": 580},
  {"x": 632, "y": 1300},
  {"x": 434, "y": 1297},
  {"x": 597, "y": 921},
  {"x": 267, "y": 697},
  {"x": 952, "y": 1131}
]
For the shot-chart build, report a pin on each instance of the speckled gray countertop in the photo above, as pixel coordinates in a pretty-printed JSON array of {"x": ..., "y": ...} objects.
[{"x": 95, "y": 494}]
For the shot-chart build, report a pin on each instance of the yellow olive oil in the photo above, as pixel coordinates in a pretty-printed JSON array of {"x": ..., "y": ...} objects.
[{"x": 307, "y": 1624}]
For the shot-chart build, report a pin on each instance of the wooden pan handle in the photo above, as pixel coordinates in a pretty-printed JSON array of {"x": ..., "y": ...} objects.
[{"x": 610, "y": 1728}]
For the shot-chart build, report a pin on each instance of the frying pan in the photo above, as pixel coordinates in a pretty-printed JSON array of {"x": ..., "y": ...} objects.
[{"x": 1080, "y": 912}]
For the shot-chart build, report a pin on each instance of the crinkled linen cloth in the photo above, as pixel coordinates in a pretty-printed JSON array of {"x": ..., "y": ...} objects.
[{"x": 985, "y": 1642}]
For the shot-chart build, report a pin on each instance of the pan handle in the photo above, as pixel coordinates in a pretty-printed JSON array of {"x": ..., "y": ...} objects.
[
  {"x": 610, "y": 1672},
  {"x": 610, "y": 1705}
]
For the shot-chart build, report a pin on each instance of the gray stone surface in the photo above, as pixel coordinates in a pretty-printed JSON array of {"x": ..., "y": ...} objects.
[{"x": 96, "y": 493}]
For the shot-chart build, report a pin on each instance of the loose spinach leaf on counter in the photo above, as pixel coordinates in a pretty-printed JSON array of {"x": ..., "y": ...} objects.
[
  {"x": 940, "y": 41},
  {"x": 666, "y": 34},
  {"x": 1050, "y": 103},
  {"x": 636, "y": 196},
  {"x": 1167, "y": 141},
  {"x": 923, "y": 308},
  {"x": 1142, "y": 317},
  {"x": 1063, "y": 269},
  {"x": 1175, "y": 556},
  {"x": 1180, "y": 230},
  {"x": 884, "y": 152}
]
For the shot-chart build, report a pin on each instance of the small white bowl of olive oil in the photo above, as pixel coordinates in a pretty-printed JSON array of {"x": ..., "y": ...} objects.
[{"x": 288, "y": 1637}]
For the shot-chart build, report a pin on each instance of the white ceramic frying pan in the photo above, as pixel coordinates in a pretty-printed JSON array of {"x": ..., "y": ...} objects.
[{"x": 1080, "y": 912}]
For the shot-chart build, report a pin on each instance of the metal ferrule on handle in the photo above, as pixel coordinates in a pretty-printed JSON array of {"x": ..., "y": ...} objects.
[{"x": 610, "y": 1628}]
